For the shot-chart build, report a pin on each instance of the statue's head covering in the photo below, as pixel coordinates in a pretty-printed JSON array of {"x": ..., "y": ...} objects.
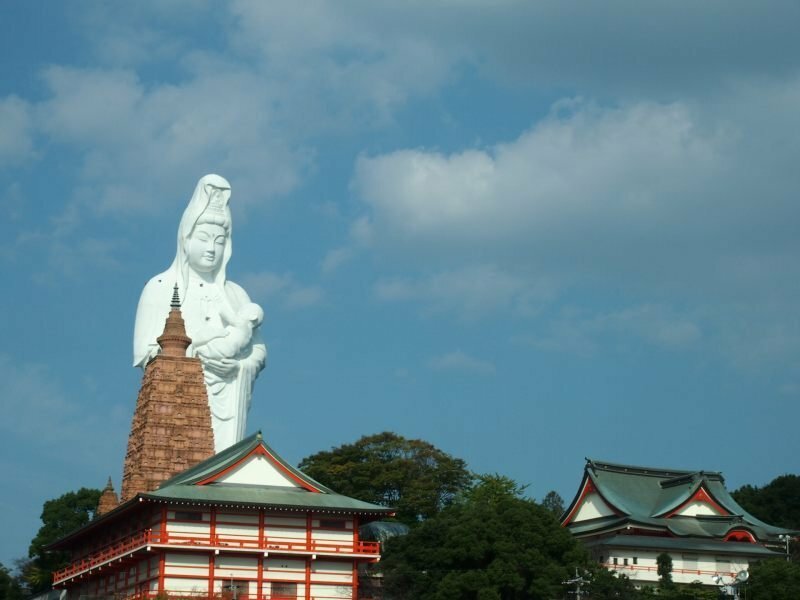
[{"x": 209, "y": 204}]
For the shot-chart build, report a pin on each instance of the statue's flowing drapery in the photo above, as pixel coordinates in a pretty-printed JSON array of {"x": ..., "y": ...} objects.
[{"x": 205, "y": 305}]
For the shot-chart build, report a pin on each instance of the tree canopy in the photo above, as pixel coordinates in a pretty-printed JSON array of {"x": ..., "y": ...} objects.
[
  {"x": 60, "y": 516},
  {"x": 664, "y": 563},
  {"x": 774, "y": 579},
  {"x": 413, "y": 476},
  {"x": 777, "y": 503},
  {"x": 10, "y": 588},
  {"x": 554, "y": 503},
  {"x": 491, "y": 544}
]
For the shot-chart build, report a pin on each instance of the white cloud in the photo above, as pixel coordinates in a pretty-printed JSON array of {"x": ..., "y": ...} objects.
[
  {"x": 336, "y": 258},
  {"x": 470, "y": 292},
  {"x": 284, "y": 289},
  {"x": 583, "y": 167},
  {"x": 654, "y": 323},
  {"x": 141, "y": 144},
  {"x": 670, "y": 204},
  {"x": 359, "y": 64},
  {"x": 460, "y": 361},
  {"x": 690, "y": 198},
  {"x": 583, "y": 333},
  {"x": 16, "y": 131}
]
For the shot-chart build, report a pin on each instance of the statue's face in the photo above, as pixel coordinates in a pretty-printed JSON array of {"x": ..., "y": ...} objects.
[{"x": 206, "y": 247}]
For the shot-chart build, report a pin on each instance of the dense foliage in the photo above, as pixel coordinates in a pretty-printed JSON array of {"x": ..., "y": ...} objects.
[
  {"x": 60, "y": 516},
  {"x": 602, "y": 584},
  {"x": 777, "y": 503},
  {"x": 491, "y": 544},
  {"x": 10, "y": 589},
  {"x": 664, "y": 562},
  {"x": 412, "y": 476},
  {"x": 774, "y": 579},
  {"x": 554, "y": 503}
]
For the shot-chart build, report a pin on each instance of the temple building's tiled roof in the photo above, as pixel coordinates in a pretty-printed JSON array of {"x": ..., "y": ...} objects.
[
  {"x": 673, "y": 502},
  {"x": 249, "y": 474},
  {"x": 715, "y": 547},
  {"x": 276, "y": 483},
  {"x": 205, "y": 483},
  {"x": 230, "y": 456}
]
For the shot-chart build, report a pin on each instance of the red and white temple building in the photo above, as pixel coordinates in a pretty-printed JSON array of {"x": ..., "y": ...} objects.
[
  {"x": 627, "y": 515},
  {"x": 239, "y": 524}
]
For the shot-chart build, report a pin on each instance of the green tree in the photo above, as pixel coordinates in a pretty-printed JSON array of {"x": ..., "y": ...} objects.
[
  {"x": 10, "y": 589},
  {"x": 554, "y": 503},
  {"x": 607, "y": 585},
  {"x": 691, "y": 591},
  {"x": 60, "y": 516},
  {"x": 777, "y": 503},
  {"x": 774, "y": 579},
  {"x": 491, "y": 544},
  {"x": 413, "y": 476},
  {"x": 664, "y": 566}
]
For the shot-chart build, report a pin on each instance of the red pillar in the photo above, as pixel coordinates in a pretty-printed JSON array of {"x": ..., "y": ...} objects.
[
  {"x": 309, "y": 524},
  {"x": 308, "y": 578},
  {"x": 355, "y": 562},
  {"x": 261, "y": 540},
  {"x": 163, "y": 535},
  {"x": 261, "y": 545},
  {"x": 211, "y": 575},
  {"x": 162, "y": 565}
]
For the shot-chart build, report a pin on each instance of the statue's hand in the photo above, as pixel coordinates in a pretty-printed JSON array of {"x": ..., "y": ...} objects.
[{"x": 221, "y": 367}]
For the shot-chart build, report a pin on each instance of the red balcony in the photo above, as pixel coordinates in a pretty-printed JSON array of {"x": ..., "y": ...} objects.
[{"x": 146, "y": 540}]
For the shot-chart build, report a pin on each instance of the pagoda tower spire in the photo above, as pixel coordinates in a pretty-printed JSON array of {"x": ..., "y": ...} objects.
[
  {"x": 174, "y": 340},
  {"x": 171, "y": 429}
]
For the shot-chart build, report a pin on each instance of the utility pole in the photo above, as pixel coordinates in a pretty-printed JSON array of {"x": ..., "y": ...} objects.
[
  {"x": 578, "y": 581},
  {"x": 785, "y": 537}
]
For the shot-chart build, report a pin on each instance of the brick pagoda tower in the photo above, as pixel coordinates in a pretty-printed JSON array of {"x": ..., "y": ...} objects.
[{"x": 171, "y": 429}]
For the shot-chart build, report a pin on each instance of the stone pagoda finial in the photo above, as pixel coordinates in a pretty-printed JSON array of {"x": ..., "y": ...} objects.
[
  {"x": 174, "y": 340},
  {"x": 176, "y": 299}
]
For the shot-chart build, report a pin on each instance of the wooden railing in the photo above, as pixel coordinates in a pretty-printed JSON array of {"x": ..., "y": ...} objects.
[
  {"x": 183, "y": 595},
  {"x": 654, "y": 569},
  {"x": 221, "y": 541}
]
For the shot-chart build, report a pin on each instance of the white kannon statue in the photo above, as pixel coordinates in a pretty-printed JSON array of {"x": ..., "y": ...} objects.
[{"x": 220, "y": 319}]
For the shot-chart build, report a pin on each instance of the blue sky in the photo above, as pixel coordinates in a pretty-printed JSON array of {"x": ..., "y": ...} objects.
[{"x": 527, "y": 233}]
